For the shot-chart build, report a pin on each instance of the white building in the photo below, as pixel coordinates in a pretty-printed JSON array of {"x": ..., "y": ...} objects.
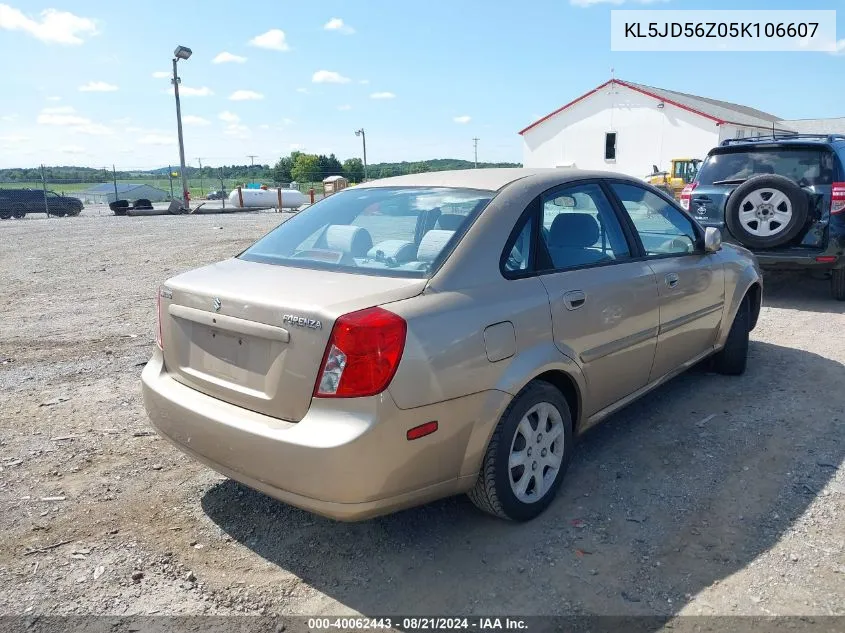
[{"x": 629, "y": 128}]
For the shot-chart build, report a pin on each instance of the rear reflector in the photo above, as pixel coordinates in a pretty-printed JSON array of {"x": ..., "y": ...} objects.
[
  {"x": 422, "y": 430},
  {"x": 837, "y": 198},
  {"x": 826, "y": 259}
]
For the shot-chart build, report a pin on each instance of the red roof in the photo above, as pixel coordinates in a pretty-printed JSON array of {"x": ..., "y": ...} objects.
[{"x": 635, "y": 88}]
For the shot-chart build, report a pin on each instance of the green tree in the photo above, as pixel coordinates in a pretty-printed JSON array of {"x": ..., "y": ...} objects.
[
  {"x": 306, "y": 168},
  {"x": 282, "y": 170},
  {"x": 353, "y": 169}
]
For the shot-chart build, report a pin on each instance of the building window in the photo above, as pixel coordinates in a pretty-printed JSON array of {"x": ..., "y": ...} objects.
[{"x": 610, "y": 146}]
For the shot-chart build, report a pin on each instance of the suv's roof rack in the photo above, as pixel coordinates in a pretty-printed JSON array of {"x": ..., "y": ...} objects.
[{"x": 830, "y": 138}]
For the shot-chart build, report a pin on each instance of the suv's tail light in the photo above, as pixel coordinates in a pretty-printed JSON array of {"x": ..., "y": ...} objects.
[
  {"x": 158, "y": 320},
  {"x": 686, "y": 194},
  {"x": 837, "y": 198},
  {"x": 362, "y": 355}
]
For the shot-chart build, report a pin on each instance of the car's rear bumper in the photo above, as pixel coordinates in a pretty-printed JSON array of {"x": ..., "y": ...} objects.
[{"x": 346, "y": 459}]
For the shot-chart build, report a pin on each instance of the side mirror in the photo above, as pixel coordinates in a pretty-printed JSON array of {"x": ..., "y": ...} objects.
[{"x": 712, "y": 239}]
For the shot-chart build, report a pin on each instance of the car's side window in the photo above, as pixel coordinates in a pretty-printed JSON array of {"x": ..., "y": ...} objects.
[
  {"x": 580, "y": 228},
  {"x": 520, "y": 248},
  {"x": 663, "y": 229}
]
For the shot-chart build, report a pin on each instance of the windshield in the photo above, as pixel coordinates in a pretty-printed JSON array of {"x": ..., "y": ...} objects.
[
  {"x": 388, "y": 231},
  {"x": 805, "y": 166}
]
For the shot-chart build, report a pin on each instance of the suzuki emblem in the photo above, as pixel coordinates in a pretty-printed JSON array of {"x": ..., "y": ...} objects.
[{"x": 216, "y": 304}]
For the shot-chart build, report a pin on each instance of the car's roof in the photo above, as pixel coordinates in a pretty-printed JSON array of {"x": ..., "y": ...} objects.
[{"x": 491, "y": 179}]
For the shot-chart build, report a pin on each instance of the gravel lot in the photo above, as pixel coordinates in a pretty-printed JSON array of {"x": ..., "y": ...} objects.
[{"x": 713, "y": 495}]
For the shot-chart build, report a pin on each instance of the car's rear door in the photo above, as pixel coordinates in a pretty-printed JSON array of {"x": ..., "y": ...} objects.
[
  {"x": 603, "y": 302},
  {"x": 690, "y": 282}
]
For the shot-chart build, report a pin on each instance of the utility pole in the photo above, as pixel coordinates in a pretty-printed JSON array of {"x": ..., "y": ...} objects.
[
  {"x": 202, "y": 191},
  {"x": 363, "y": 136},
  {"x": 252, "y": 158},
  {"x": 475, "y": 142},
  {"x": 222, "y": 186},
  {"x": 181, "y": 52},
  {"x": 114, "y": 180},
  {"x": 170, "y": 176}
]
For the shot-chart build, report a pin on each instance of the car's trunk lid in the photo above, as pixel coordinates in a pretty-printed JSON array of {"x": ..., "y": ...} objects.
[{"x": 254, "y": 334}]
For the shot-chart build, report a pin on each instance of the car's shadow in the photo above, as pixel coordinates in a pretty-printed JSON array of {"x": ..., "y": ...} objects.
[
  {"x": 682, "y": 489},
  {"x": 799, "y": 291}
]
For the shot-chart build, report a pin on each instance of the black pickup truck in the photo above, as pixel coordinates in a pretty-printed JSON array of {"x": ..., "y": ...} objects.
[{"x": 16, "y": 203}]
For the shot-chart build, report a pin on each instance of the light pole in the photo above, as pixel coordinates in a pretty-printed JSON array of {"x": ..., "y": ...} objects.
[
  {"x": 181, "y": 52},
  {"x": 364, "y": 140}
]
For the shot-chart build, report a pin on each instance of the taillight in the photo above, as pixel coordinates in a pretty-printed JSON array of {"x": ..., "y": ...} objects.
[
  {"x": 837, "y": 198},
  {"x": 158, "y": 320},
  {"x": 686, "y": 194},
  {"x": 362, "y": 355}
]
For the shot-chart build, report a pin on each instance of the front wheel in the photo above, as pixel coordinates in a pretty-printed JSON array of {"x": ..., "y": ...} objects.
[{"x": 527, "y": 456}]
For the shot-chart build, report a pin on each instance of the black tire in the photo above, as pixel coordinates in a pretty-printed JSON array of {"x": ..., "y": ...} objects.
[
  {"x": 798, "y": 200},
  {"x": 732, "y": 359},
  {"x": 58, "y": 212},
  {"x": 5, "y": 214},
  {"x": 18, "y": 211},
  {"x": 493, "y": 492},
  {"x": 837, "y": 284},
  {"x": 143, "y": 203}
]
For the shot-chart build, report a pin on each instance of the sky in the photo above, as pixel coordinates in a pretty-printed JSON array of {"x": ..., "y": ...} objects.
[{"x": 86, "y": 82}]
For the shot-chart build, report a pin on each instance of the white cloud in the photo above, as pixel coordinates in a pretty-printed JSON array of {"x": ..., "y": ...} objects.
[
  {"x": 13, "y": 138},
  {"x": 65, "y": 116},
  {"x": 229, "y": 117},
  {"x": 329, "y": 77},
  {"x": 382, "y": 95},
  {"x": 156, "y": 139},
  {"x": 54, "y": 98},
  {"x": 237, "y": 130},
  {"x": 264, "y": 126},
  {"x": 245, "y": 95},
  {"x": 98, "y": 86},
  {"x": 228, "y": 58},
  {"x": 462, "y": 119},
  {"x": 297, "y": 147},
  {"x": 187, "y": 91},
  {"x": 190, "y": 119},
  {"x": 336, "y": 24},
  {"x": 8, "y": 118},
  {"x": 72, "y": 149},
  {"x": 161, "y": 74},
  {"x": 344, "y": 108},
  {"x": 273, "y": 40},
  {"x": 55, "y": 27},
  {"x": 302, "y": 90},
  {"x": 840, "y": 48},
  {"x": 287, "y": 121},
  {"x": 363, "y": 82}
]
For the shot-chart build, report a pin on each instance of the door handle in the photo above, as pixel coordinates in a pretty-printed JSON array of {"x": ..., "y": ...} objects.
[
  {"x": 574, "y": 299},
  {"x": 672, "y": 280}
]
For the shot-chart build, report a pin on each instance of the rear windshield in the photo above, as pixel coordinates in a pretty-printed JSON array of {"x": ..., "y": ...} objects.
[
  {"x": 390, "y": 231},
  {"x": 805, "y": 166}
]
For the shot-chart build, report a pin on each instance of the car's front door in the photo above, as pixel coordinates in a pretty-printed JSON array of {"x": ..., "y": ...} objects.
[
  {"x": 690, "y": 282},
  {"x": 603, "y": 302}
]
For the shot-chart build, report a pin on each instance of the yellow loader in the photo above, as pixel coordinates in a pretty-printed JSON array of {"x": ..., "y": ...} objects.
[{"x": 681, "y": 173}]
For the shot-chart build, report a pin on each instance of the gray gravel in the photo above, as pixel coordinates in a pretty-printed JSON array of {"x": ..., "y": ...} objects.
[{"x": 713, "y": 495}]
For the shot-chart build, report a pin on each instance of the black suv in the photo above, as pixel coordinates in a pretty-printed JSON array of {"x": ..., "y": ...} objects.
[
  {"x": 782, "y": 197},
  {"x": 16, "y": 203}
]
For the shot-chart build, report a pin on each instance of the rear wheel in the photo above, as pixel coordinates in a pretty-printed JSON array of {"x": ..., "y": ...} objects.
[
  {"x": 18, "y": 211},
  {"x": 837, "y": 284},
  {"x": 733, "y": 357},
  {"x": 527, "y": 456},
  {"x": 5, "y": 213}
]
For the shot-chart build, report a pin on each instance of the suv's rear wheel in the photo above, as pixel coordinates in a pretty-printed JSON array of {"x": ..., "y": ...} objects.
[
  {"x": 527, "y": 455},
  {"x": 837, "y": 284},
  {"x": 766, "y": 211}
]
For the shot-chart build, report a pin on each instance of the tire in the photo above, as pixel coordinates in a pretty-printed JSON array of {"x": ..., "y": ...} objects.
[
  {"x": 5, "y": 214},
  {"x": 758, "y": 224},
  {"x": 59, "y": 212},
  {"x": 733, "y": 357},
  {"x": 18, "y": 211},
  {"x": 837, "y": 284},
  {"x": 494, "y": 491},
  {"x": 143, "y": 203}
]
